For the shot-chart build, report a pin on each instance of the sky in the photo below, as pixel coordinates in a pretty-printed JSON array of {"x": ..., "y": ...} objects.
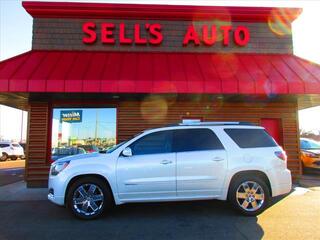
[
  {"x": 16, "y": 31},
  {"x": 13, "y": 124}
]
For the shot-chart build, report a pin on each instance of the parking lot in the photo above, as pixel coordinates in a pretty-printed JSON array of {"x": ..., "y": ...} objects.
[{"x": 296, "y": 216}]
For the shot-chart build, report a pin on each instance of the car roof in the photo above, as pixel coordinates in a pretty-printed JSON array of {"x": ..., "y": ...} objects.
[{"x": 209, "y": 126}]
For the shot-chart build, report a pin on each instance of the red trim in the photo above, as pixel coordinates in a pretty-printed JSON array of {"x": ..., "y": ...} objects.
[
  {"x": 120, "y": 72},
  {"x": 149, "y": 11}
]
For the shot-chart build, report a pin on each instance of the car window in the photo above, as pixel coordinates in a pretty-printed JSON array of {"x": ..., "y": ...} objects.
[
  {"x": 81, "y": 151},
  {"x": 67, "y": 151},
  {"x": 304, "y": 144},
  {"x": 251, "y": 138},
  {"x": 195, "y": 140},
  {"x": 153, "y": 143},
  {"x": 309, "y": 144},
  {"x": 4, "y": 145}
]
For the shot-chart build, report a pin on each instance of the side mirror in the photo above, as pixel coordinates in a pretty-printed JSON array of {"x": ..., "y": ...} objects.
[{"x": 127, "y": 152}]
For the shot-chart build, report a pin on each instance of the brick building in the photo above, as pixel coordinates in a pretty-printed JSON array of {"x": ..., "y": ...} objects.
[{"x": 154, "y": 65}]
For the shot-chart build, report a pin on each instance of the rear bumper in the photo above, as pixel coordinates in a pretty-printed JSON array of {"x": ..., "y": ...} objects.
[{"x": 281, "y": 182}]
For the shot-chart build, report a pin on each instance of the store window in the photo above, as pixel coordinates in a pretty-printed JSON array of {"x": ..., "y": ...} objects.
[{"x": 82, "y": 130}]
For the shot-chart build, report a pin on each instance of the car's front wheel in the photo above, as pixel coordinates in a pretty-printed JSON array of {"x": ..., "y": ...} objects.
[
  {"x": 88, "y": 197},
  {"x": 249, "y": 194},
  {"x": 4, "y": 157}
]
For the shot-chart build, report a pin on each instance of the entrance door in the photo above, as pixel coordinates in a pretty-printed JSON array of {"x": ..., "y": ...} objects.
[
  {"x": 273, "y": 127},
  {"x": 150, "y": 173}
]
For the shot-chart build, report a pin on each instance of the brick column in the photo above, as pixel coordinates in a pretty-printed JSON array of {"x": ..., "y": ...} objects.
[{"x": 37, "y": 166}]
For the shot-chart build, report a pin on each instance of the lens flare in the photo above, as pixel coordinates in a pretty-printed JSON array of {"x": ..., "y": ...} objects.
[
  {"x": 280, "y": 19},
  {"x": 227, "y": 65},
  {"x": 154, "y": 109},
  {"x": 223, "y": 19}
]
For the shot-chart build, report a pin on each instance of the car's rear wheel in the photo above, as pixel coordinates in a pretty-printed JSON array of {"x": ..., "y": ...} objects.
[
  {"x": 249, "y": 195},
  {"x": 4, "y": 157},
  {"x": 88, "y": 197}
]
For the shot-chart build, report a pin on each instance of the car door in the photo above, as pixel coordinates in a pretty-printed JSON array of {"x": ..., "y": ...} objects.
[
  {"x": 201, "y": 163},
  {"x": 6, "y": 148},
  {"x": 150, "y": 173}
]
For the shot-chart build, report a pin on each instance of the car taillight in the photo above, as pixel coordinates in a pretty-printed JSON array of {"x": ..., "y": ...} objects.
[{"x": 282, "y": 155}]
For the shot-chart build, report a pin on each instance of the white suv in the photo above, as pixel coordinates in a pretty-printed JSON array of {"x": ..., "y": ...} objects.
[
  {"x": 10, "y": 150},
  {"x": 232, "y": 161}
]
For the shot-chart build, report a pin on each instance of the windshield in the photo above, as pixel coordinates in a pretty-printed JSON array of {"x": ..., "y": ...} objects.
[
  {"x": 309, "y": 144},
  {"x": 110, "y": 150}
]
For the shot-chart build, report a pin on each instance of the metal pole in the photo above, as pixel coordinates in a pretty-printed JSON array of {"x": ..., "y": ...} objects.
[
  {"x": 96, "y": 128},
  {"x": 0, "y": 122},
  {"x": 21, "y": 133}
]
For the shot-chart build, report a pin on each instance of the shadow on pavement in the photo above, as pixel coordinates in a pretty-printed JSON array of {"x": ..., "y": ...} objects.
[{"x": 178, "y": 220}]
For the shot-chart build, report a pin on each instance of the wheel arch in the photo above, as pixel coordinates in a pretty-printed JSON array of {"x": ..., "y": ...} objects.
[
  {"x": 98, "y": 176},
  {"x": 257, "y": 173}
]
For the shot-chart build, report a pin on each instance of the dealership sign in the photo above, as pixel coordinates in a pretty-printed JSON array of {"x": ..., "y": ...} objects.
[
  {"x": 71, "y": 116},
  {"x": 201, "y": 35}
]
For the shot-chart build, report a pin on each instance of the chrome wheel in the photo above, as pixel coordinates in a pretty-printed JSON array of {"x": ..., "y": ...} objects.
[
  {"x": 250, "y": 196},
  {"x": 88, "y": 199}
]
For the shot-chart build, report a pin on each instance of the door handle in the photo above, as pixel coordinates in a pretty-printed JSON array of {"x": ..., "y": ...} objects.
[
  {"x": 164, "y": 162},
  {"x": 217, "y": 159}
]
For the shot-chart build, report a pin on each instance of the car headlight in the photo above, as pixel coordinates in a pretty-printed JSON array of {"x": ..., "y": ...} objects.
[{"x": 58, "y": 167}]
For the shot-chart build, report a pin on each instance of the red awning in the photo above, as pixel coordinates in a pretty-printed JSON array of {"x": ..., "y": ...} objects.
[{"x": 140, "y": 72}]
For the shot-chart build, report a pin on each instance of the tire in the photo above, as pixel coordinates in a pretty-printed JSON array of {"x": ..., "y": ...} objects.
[
  {"x": 80, "y": 191},
  {"x": 4, "y": 157},
  {"x": 13, "y": 158},
  {"x": 244, "y": 200}
]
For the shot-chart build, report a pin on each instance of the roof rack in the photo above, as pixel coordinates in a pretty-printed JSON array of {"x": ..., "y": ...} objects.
[{"x": 197, "y": 123}]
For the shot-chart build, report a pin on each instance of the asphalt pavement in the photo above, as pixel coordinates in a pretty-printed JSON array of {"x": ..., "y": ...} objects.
[
  {"x": 296, "y": 216},
  {"x": 11, "y": 171}
]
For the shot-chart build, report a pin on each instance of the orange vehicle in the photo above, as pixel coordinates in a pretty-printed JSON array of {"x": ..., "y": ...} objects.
[{"x": 310, "y": 153}]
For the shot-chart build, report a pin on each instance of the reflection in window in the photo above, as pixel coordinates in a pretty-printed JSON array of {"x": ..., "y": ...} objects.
[
  {"x": 82, "y": 130},
  {"x": 153, "y": 143}
]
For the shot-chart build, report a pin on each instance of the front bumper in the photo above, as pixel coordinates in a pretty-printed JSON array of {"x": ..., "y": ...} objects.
[{"x": 56, "y": 188}]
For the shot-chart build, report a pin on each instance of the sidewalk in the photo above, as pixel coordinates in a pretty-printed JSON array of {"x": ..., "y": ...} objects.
[{"x": 19, "y": 192}]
